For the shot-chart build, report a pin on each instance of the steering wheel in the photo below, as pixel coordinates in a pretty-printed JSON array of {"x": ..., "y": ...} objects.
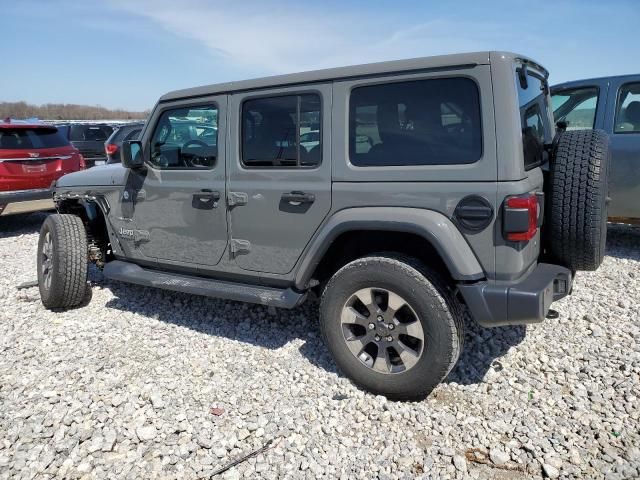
[{"x": 195, "y": 159}]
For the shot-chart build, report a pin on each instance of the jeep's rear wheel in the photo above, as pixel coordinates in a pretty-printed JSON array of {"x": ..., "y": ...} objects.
[
  {"x": 578, "y": 199},
  {"x": 62, "y": 261},
  {"x": 392, "y": 326}
]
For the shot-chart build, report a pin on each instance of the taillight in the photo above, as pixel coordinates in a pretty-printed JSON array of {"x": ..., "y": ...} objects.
[
  {"x": 521, "y": 218},
  {"x": 83, "y": 164},
  {"x": 110, "y": 148}
]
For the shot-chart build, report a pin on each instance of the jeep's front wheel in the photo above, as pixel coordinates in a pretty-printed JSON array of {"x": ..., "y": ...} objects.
[
  {"x": 62, "y": 261},
  {"x": 392, "y": 326}
]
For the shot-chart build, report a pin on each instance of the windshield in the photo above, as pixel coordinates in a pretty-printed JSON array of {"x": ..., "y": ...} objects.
[
  {"x": 533, "y": 100},
  {"x": 30, "y": 138}
]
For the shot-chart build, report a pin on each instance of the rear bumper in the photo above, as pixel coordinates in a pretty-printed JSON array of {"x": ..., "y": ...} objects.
[
  {"x": 25, "y": 201},
  {"x": 522, "y": 302}
]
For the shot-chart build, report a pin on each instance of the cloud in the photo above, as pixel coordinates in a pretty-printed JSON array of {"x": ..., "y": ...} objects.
[{"x": 277, "y": 38}]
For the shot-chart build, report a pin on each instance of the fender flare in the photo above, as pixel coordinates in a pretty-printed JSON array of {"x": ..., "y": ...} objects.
[{"x": 431, "y": 225}]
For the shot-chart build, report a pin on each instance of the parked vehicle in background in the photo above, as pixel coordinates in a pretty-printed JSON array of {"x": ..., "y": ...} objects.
[
  {"x": 310, "y": 139},
  {"x": 436, "y": 185},
  {"x": 89, "y": 138},
  {"x": 121, "y": 134},
  {"x": 611, "y": 104},
  {"x": 32, "y": 157}
]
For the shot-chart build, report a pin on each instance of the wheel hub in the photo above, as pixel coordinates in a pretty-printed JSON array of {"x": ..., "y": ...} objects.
[{"x": 382, "y": 330}]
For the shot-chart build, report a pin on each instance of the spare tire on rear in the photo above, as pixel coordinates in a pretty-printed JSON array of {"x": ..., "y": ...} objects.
[{"x": 577, "y": 208}]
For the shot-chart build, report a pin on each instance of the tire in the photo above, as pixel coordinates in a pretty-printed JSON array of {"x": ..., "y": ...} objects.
[
  {"x": 578, "y": 199},
  {"x": 62, "y": 262},
  {"x": 427, "y": 298}
]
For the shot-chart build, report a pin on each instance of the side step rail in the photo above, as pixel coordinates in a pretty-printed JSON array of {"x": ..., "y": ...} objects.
[{"x": 132, "y": 273}]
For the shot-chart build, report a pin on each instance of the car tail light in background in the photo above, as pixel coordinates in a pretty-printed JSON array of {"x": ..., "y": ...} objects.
[
  {"x": 522, "y": 217},
  {"x": 83, "y": 164},
  {"x": 111, "y": 148}
]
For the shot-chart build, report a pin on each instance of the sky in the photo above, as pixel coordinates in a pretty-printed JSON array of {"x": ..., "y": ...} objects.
[{"x": 126, "y": 53}]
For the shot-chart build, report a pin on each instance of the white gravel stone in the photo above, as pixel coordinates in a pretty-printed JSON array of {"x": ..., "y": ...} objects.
[
  {"x": 147, "y": 433},
  {"x": 137, "y": 370},
  {"x": 550, "y": 471}
]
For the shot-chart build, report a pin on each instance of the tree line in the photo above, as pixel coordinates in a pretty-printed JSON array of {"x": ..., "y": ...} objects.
[{"x": 66, "y": 111}]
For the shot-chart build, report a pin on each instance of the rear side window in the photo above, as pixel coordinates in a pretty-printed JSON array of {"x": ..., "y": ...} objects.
[
  {"x": 132, "y": 135},
  {"x": 123, "y": 133},
  {"x": 423, "y": 122},
  {"x": 536, "y": 131},
  {"x": 576, "y": 107},
  {"x": 628, "y": 109},
  {"x": 90, "y": 133},
  {"x": 282, "y": 131},
  {"x": 30, "y": 138}
]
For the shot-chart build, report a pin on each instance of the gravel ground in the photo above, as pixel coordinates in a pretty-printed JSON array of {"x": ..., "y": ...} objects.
[{"x": 142, "y": 383}]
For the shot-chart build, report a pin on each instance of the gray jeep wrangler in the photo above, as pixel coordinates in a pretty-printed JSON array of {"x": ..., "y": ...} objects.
[{"x": 403, "y": 194}]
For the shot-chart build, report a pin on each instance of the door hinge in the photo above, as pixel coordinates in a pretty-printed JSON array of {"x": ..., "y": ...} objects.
[
  {"x": 238, "y": 246},
  {"x": 237, "y": 198}
]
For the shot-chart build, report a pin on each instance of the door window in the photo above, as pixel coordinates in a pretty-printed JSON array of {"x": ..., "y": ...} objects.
[
  {"x": 186, "y": 138},
  {"x": 576, "y": 107},
  {"x": 628, "y": 109},
  {"x": 534, "y": 108},
  {"x": 420, "y": 122},
  {"x": 282, "y": 131}
]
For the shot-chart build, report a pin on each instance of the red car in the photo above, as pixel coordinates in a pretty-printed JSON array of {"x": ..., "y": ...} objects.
[{"x": 32, "y": 157}]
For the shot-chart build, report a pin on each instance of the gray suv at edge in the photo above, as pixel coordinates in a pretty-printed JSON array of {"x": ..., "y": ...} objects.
[{"x": 436, "y": 185}]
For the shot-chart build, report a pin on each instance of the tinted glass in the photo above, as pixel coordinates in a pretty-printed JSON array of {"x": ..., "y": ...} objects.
[
  {"x": 63, "y": 130},
  {"x": 186, "y": 138},
  {"x": 536, "y": 130},
  {"x": 424, "y": 122},
  {"x": 278, "y": 131},
  {"x": 123, "y": 133},
  {"x": 30, "y": 138},
  {"x": 628, "y": 109},
  {"x": 133, "y": 134},
  {"x": 86, "y": 133},
  {"x": 117, "y": 135},
  {"x": 575, "y": 107}
]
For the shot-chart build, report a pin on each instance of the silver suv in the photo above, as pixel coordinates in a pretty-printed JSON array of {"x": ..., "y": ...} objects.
[{"x": 436, "y": 186}]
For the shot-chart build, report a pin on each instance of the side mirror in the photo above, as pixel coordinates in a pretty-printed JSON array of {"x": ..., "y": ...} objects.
[{"x": 131, "y": 154}]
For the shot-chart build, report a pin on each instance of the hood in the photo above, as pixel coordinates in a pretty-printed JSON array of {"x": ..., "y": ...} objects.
[{"x": 102, "y": 175}]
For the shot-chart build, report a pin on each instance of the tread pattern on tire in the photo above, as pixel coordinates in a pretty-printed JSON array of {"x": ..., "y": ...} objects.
[
  {"x": 439, "y": 291},
  {"x": 578, "y": 216},
  {"x": 70, "y": 270}
]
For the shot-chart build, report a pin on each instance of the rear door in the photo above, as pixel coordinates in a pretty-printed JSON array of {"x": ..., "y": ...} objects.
[
  {"x": 279, "y": 186},
  {"x": 176, "y": 203},
  {"x": 623, "y": 126}
]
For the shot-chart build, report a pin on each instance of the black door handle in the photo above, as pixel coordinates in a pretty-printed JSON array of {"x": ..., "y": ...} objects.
[
  {"x": 205, "y": 200},
  {"x": 296, "y": 198}
]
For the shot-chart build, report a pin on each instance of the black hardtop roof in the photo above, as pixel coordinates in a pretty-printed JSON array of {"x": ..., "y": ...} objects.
[{"x": 413, "y": 64}]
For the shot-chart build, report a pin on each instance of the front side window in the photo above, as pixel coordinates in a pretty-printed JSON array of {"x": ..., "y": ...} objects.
[
  {"x": 282, "y": 131},
  {"x": 186, "y": 138},
  {"x": 420, "y": 122},
  {"x": 533, "y": 103},
  {"x": 576, "y": 107},
  {"x": 628, "y": 109},
  {"x": 30, "y": 138}
]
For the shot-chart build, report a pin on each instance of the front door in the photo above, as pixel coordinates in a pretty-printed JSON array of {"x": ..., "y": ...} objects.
[
  {"x": 178, "y": 199},
  {"x": 624, "y": 137},
  {"x": 279, "y": 174}
]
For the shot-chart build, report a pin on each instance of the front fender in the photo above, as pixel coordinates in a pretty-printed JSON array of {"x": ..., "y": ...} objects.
[{"x": 432, "y": 226}]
